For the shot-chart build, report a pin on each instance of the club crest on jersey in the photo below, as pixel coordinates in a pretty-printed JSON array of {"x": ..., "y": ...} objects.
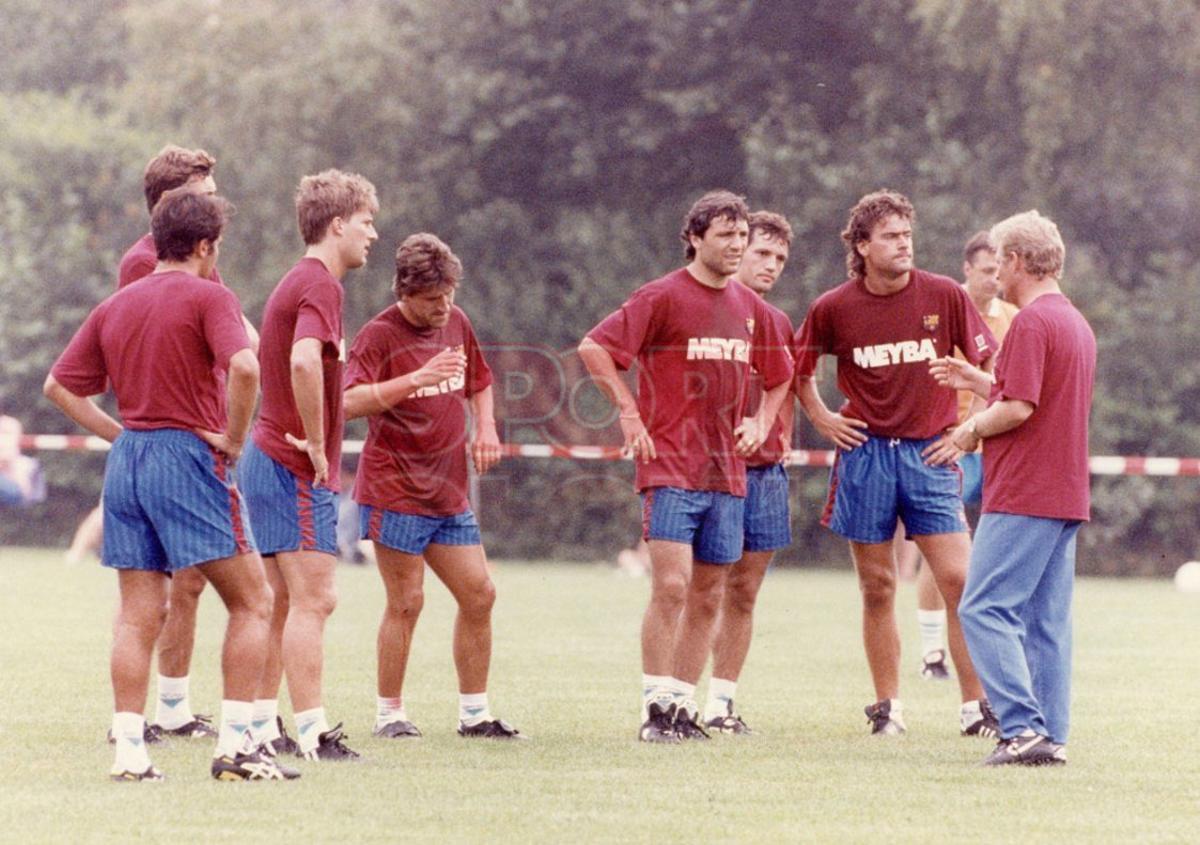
[
  {"x": 981, "y": 342},
  {"x": 930, "y": 322}
]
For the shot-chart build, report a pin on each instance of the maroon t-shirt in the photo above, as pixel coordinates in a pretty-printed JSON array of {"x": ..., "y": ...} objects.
[
  {"x": 883, "y": 346},
  {"x": 774, "y": 447},
  {"x": 694, "y": 346},
  {"x": 415, "y": 457},
  {"x": 159, "y": 345},
  {"x": 141, "y": 259},
  {"x": 307, "y": 302},
  {"x": 1040, "y": 468}
]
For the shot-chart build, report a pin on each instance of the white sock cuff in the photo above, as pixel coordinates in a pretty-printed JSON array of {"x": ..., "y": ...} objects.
[
  {"x": 931, "y": 617},
  {"x": 721, "y": 688},
  {"x": 682, "y": 688},
  {"x": 173, "y": 686}
]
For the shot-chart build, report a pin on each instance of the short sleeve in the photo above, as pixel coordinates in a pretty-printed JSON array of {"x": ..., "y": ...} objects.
[
  {"x": 771, "y": 349},
  {"x": 811, "y": 341},
  {"x": 369, "y": 358},
  {"x": 972, "y": 335},
  {"x": 80, "y": 368},
  {"x": 1021, "y": 369},
  {"x": 627, "y": 331},
  {"x": 224, "y": 329},
  {"x": 319, "y": 313},
  {"x": 479, "y": 374}
]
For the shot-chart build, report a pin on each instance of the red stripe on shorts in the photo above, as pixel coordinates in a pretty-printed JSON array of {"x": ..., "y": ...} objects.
[
  {"x": 235, "y": 506},
  {"x": 304, "y": 510},
  {"x": 647, "y": 508},
  {"x": 827, "y": 513}
]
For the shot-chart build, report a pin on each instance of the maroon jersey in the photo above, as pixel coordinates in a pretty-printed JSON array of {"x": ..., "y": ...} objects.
[
  {"x": 159, "y": 345},
  {"x": 307, "y": 302},
  {"x": 1040, "y": 468},
  {"x": 883, "y": 346},
  {"x": 415, "y": 457},
  {"x": 141, "y": 259},
  {"x": 694, "y": 346},
  {"x": 779, "y": 439}
]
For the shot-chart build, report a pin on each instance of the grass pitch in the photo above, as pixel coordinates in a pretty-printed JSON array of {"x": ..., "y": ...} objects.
[{"x": 566, "y": 671}]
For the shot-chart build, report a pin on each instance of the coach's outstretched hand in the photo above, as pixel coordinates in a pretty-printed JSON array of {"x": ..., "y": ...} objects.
[
  {"x": 316, "y": 454},
  {"x": 222, "y": 443},
  {"x": 637, "y": 438},
  {"x": 957, "y": 374},
  {"x": 443, "y": 366}
]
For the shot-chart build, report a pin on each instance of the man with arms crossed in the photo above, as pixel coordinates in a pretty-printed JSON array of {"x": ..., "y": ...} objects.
[
  {"x": 768, "y": 523},
  {"x": 413, "y": 369},
  {"x": 980, "y": 270},
  {"x": 1016, "y": 608},
  {"x": 290, "y": 469},
  {"x": 170, "y": 501},
  {"x": 695, "y": 334},
  {"x": 175, "y": 167},
  {"x": 884, "y": 325}
]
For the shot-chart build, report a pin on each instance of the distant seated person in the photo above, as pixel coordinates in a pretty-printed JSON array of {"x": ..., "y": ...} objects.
[{"x": 21, "y": 481}]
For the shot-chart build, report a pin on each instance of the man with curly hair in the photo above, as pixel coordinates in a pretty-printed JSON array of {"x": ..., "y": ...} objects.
[{"x": 885, "y": 325}]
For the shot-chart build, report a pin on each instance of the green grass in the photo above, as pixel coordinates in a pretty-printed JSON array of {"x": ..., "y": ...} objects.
[{"x": 565, "y": 670}]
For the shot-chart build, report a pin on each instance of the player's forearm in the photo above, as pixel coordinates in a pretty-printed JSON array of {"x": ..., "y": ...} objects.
[
  {"x": 810, "y": 400},
  {"x": 82, "y": 410},
  {"x": 308, "y": 389},
  {"x": 251, "y": 333},
  {"x": 1001, "y": 417},
  {"x": 772, "y": 402},
  {"x": 483, "y": 409},
  {"x": 363, "y": 400},
  {"x": 242, "y": 391},
  {"x": 603, "y": 370}
]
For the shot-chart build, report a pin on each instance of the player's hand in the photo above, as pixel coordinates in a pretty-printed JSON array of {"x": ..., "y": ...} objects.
[
  {"x": 846, "y": 432},
  {"x": 637, "y": 439},
  {"x": 446, "y": 365},
  {"x": 485, "y": 451},
  {"x": 316, "y": 454},
  {"x": 945, "y": 450},
  {"x": 957, "y": 374},
  {"x": 749, "y": 436},
  {"x": 232, "y": 449}
]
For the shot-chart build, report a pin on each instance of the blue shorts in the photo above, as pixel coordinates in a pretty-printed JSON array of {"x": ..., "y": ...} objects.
[
  {"x": 971, "y": 465},
  {"x": 411, "y": 533},
  {"x": 710, "y": 522},
  {"x": 885, "y": 478},
  {"x": 768, "y": 522},
  {"x": 170, "y": 501},
  {"x": 287, "y": 512}
]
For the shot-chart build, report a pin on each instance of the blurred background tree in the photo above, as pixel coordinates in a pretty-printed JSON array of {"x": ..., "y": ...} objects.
[{"x": 556, "y": 148}]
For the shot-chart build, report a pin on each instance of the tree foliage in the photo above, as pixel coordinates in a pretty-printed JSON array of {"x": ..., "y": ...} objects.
[{"x": 556, "y": 147}]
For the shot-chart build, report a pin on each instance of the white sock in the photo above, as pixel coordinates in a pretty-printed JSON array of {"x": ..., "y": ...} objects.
[
  {"x": 970, "y": 713},
  {"x": 897, "y": 713},
  {"x": 263, "y": 727},
  {"x": 652, "y": 685},
  {"x": 473, "y": 708},
  {"x": 933, "y": 629},
  {"x": 173, "y": 709},
  {"x": 234, "y": 734},
  {"x": 389, "y": 710},
  {"x": 131, "y": 755},
  {"x": 720, "y": 698},
  {"x": 685, "y": 694},
  {"x": 310, "y": 724}
]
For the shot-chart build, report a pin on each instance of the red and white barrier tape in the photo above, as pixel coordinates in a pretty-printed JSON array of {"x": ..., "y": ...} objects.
[{"x": 1099, "y": 464}]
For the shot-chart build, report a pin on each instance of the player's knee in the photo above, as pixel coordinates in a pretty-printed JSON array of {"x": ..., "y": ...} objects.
[
  {"x": 670, "y": 591},
  {"x": 406, "y": 605},
  {"x": 878, "y": 589},
  {"x": 480, "y": 601},
  {"x": 324, "y": 601},
  {"x": 740, "y": 596}
]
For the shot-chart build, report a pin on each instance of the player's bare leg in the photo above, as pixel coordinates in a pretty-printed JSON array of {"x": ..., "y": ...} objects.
[
  {"x": 312, "y": 597},
  {"x": 698, "y": 621},
  {"x": 876, "y": 569},
  {"x": 403, "y": 582},
  {"x": 947, "y": 556},
  {"x": 735, "y": 627},
  {"x": 670, "y": 574},
  {"x": 267, "y": 726},
  {"x": 175, "y": 644},
  {"x": 140, "y": 615},
  {"x": 931, "y": 620},
  {"x": 242, "y": 585}
]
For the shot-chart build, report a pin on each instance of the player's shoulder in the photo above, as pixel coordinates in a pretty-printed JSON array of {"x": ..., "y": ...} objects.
[
  {"x": 138, "y": 261},
  {"x": 938, "y": 284},
  {"x": 848, "y": 291}
]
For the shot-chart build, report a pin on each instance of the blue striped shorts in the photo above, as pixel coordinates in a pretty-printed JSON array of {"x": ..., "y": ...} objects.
[
  {"x": 768, "y": 521},
  {"x": 711, "y": 522},
  {"x": 411, "y": 533},
  {"x": 885, "y": 478},
  {"x": 287, "y": 512},
  {"x": 170, "y": 501}
]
